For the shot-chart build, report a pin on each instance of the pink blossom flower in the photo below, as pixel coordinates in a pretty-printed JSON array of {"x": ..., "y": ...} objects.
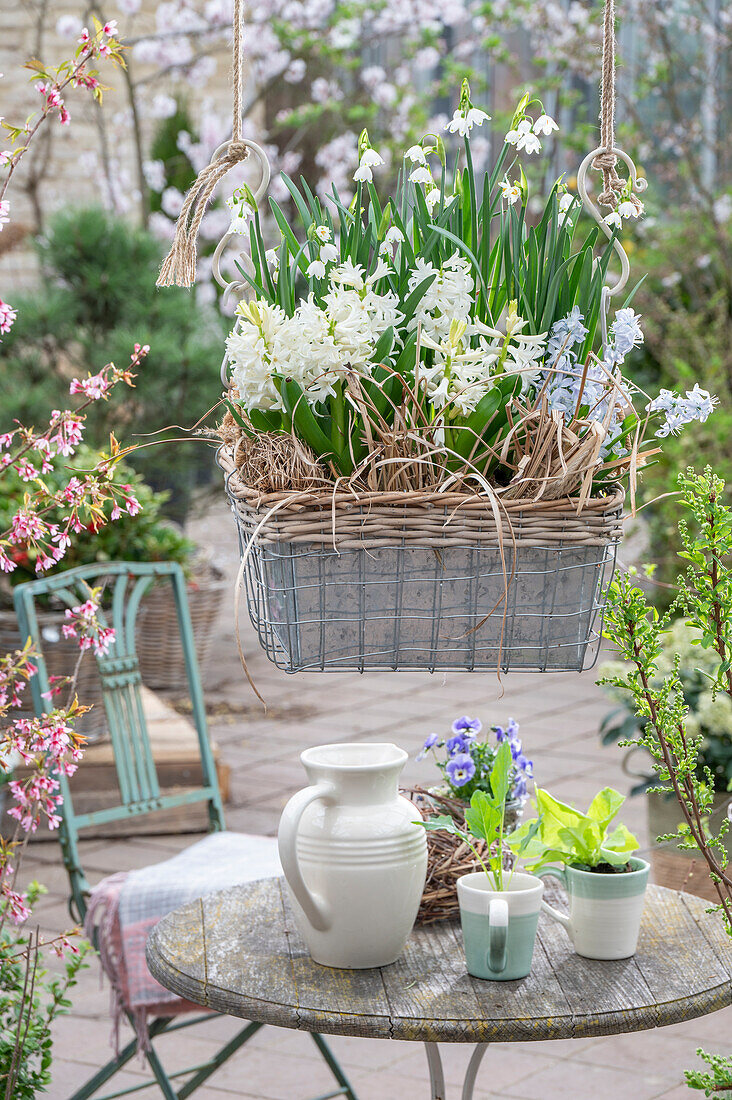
[
  {"x": 26, "y": 470},
  {"x": 26, "y": 526},
  {"x": 18, "y": 911},
  {"x": 6, "y": 439},
  {"x": 69, "y": 430},
  {"x": 94, "y": 386},
  {"x": 6, "y": 564},
  {"x": 110, "y": 28},
  {"x": 84, "y": 37},
  {"x": 6, "y": 155},
  {"x": 4, "y": 213},
  {"x": 7, "y": 316},
  {"x": 64, "y": 117}
]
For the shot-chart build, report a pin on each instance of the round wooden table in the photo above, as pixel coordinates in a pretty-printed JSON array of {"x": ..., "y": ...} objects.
[{"x": 239, "y": 952}]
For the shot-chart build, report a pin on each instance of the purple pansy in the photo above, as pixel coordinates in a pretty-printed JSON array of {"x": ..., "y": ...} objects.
[
  {"x": 468, "y": 727},
  {"x": 460, "y": 769},
  {"x": 430, "y": 743}
]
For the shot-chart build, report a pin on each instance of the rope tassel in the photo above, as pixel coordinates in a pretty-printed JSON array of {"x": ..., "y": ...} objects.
[{"x": 179, "y": 266}]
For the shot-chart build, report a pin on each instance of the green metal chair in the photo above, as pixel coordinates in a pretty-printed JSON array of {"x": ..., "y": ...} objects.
[{"x": 124, "y": 586}]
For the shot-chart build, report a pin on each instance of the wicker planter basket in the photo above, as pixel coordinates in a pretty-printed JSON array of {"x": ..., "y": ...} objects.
[
  {"x": 418, "y": 580},
  {"x": 157, "y": 637},
  {"x": 448, "y": 857}
]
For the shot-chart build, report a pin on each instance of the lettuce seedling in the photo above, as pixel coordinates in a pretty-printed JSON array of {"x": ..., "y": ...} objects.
[{"x": 562, "y": 834}]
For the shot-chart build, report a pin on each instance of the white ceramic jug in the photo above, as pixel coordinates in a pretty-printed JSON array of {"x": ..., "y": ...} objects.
[{"x": 353, "y": 856}]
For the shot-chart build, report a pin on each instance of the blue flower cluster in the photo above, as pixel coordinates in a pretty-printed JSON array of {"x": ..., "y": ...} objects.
[
  {"x": 523, "y": 767},
  {"x": 563, "y": 371},
  {"x": 469, "y": 761},
  {"x": 679, "y": 411}
]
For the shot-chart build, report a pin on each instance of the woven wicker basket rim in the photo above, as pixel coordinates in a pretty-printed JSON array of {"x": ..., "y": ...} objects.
[{"x": 251, "y": 500}]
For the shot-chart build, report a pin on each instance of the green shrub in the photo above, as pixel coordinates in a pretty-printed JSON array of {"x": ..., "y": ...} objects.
[
  {"x": 99, "y": 299},
  {"x": 145, "y": 537},
  {"x": 686, "y": 302}
]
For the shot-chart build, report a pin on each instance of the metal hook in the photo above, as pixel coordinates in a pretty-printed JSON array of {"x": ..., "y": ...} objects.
[
  {"x": 235, "y": 286},
  {"x": 637, "y": 183}
]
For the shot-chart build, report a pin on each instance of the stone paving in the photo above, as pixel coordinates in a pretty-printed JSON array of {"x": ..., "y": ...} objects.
[{"x": 559, "y": 716}]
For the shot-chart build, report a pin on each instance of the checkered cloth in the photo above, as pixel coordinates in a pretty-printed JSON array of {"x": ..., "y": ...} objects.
[{"x": 124, "y": 908}]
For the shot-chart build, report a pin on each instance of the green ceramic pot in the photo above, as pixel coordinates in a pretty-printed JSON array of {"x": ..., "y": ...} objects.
[
  {"x": 499, "y": 927},
  {"x": 604, "y": 910}
]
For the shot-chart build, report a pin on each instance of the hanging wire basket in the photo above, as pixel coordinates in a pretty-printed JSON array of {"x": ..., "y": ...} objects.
[{"x": 423, "y": 580}]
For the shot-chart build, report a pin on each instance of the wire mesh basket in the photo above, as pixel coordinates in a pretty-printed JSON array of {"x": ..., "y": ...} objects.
[{"x": 424, "y": 580}]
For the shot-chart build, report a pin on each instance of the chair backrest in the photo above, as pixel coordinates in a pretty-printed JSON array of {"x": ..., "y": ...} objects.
[{"x": 124, "y": 584}]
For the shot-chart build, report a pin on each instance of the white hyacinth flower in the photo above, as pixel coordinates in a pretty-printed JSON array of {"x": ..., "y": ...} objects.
[
  {"x": 416, "y": 154},
  {"x": 422, "y": 175},
  {"x": 544, "y": 125},
  {"x": 316, "y": 269}
]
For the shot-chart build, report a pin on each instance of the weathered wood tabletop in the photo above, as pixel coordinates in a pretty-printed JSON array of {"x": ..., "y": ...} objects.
[{"x": 239, "y": 952}]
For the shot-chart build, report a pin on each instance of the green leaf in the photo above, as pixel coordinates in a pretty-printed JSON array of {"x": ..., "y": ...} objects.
[
  {"x": 621, "y": 841},
  {"x": 604, "y": 806}
]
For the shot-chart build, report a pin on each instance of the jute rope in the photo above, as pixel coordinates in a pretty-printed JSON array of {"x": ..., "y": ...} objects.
[
  {"x": 606, "y": 161},
  {"x": 179, "y": 266}
]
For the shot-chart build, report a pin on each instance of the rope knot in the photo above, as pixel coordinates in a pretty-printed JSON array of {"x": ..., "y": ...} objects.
[
  {"x": 237, "y": 151},
  {"x": 605, "y": 160}
]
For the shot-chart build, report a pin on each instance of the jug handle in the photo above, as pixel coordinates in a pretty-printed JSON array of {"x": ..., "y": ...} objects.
[{"x": 313, "y": 906}]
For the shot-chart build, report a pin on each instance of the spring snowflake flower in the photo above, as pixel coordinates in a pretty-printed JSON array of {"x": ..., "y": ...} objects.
[
  {"x": 322, "y": 232},
  {"x": 422, "y": 175},
  {"x": 630, "y": 209},
  {"x": 241, "y": 205},
  {"x": 273, "y": 260},
  {"x": 394, "y": 235},
  {"x": 432, "y": 198},
  {"x": 511, "y": 192},
  {"x": 416, "y": 154},
  {"x": 545, "y": 124},
  {"x": 316, "y": 270},
  {"x": 463, "y": 121},
  {"x": 614, "y": 220},
  {"x": 329, "y": 253},
  {"x": 369, "y": 160}
]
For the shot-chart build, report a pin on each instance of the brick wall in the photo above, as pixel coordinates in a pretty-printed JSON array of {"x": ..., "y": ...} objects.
[{"x": 67, "y": 152}]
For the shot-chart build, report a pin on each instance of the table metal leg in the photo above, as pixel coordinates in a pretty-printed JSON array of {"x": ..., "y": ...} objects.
[
  {"x": 437, "y": 1077},
  {"x": 472, "y": 1071}
]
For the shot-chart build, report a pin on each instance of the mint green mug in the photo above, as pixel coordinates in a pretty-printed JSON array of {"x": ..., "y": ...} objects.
[
  {"x": 605, "y": 910},
  {"x": 499, "y": 927}
]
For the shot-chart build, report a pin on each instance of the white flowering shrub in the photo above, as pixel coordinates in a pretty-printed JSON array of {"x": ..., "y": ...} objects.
[{"x": 445, "y": 309}]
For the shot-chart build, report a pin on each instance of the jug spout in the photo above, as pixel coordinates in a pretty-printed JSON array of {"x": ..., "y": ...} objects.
[{"x": 361, "y": 774}]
